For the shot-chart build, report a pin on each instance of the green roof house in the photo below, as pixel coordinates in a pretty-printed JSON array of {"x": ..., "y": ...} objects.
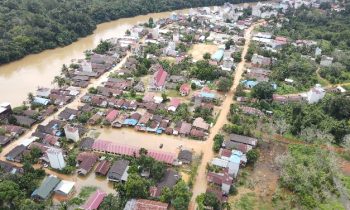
[{"x": 46, "y": 188}]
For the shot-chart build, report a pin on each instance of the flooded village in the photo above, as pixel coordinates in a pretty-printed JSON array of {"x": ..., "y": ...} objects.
[{"x": 149, "y": 105}]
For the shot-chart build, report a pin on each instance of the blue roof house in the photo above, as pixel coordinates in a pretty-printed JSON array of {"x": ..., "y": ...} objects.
[
  {"x": 41, "y": 101},
  {"x": 249, "y": 83},
  {"x": 130, "y": 122},
  {"x": 218, "y": 55},
  {"x": 234, "y": 163}
]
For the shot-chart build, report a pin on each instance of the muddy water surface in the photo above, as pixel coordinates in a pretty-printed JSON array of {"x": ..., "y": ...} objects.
[{"x": 19, "y": 78}]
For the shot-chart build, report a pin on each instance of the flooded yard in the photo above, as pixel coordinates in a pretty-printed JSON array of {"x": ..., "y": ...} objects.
[{"x": 198, "y": 50}]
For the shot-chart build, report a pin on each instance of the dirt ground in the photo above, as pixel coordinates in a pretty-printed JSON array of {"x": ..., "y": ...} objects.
[
  {"x": 263, "y": 177},
  {"x": 198, "y": 50}
]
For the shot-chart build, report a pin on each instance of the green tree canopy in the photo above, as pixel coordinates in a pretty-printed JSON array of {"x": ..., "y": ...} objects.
[{"x": 263, "y": 90}]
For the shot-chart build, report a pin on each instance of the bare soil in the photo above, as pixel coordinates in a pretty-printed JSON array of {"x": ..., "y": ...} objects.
[
  {"x": 263, "y": 176},
  {"x": 198, "y": 50}
]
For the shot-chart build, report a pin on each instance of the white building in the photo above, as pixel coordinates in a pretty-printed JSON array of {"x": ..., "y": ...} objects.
[
  {"x": 318, "y": 51},
  {"x": 176, "y": 37},
  {"x": 315, "y": 94},
  {"x": 256, "y": 10},
  {"x": 72, "y": 133},
  {"x": 56, "y": 159},
  {"x": 65, "y": 188},
  {"x": 170, "y": 50},
  {"x": 86, "y": 66},
  {"x": 326, "y": 61},
  {"x": 43, "y": 92},
  {"x": 155, "y": 32}
]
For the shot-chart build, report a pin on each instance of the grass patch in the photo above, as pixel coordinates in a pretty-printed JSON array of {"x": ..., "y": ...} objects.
[
  {"x": 283, "y": 89},
  {"x": 84, "y": 194},
  {"x": 247, "y": 202},
  {"x": 332, "y": 205},
  {"x": 346, "y": 87},
  {"x": 194, "y": 169},
  {"x": 172, "y": 93},
  {"x": 346, "y": 182}
]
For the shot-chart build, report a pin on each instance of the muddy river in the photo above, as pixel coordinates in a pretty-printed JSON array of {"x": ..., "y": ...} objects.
[{"x": 19, "y": 78}]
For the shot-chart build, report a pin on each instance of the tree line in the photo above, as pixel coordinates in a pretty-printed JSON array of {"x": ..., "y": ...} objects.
[{"x": 31, "y": 26}]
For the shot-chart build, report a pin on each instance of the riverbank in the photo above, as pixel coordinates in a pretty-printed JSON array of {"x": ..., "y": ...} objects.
[{"x": 40, "y": 69}]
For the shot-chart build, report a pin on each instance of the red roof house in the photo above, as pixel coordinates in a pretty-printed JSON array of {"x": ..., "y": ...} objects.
[
  {"x": 94, "y": 200},
  {"x": 185, "y": 89},
  {"x": 112, "y": 115},
  {"x": 174, "y": 103},
  {"x": 159, "y": 79}
]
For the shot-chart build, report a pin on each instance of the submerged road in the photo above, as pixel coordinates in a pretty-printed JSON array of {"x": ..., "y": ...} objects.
[{"x": 200, "y": 185}]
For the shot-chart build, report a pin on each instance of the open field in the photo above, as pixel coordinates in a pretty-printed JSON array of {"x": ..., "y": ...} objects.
[{"x": 198, "y": 50}]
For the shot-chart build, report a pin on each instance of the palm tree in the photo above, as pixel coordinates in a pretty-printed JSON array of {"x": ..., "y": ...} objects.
[
  {"x": 60, "y": 81},
  {"x": 30, "y": 97},
  {"x": 64, "y": 70}
]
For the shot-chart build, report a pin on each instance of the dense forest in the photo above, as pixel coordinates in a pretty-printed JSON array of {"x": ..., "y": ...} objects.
[
  {"x": 331, "y": 28},
  {"x": 31, "y": 26}
]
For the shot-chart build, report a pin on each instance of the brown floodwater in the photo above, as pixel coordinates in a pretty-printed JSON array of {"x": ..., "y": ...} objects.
[{"x": 20, "y": 77}]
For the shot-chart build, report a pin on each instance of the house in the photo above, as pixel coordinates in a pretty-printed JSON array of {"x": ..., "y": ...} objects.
[
  {"x": 185, "y": 128},
  {"x": 86, "y": 162},
  {"x": 14, "y": 131},
  {"x": 169, "y": 180},
  {"x": 217, "y": 56},
  {"x": 174, "y": 103},
  {"x": 41, "y": 101},
  {"x": 185, "y": 89},
  {"x": 224, "y": 180},
  {"x": 259, "y": 74},
  {"x": 10, "y": 168},
  {"x": 119, "y": 171},
  {"x": 68, "y": 114},
  {"x": 185, "y": 156},
  {"x": 159, "y": 79},
  {"x": 243, "y": 139},
  {"x": 46, "y": 188},
  {"x": 145, "y": 118},
  {"x": 4, "y": 140},
  {"x": 199, "y": 123},
  {"x": 111, "y": 116},
  {"x": 86, "y": 144},
  {"x": 94, "y": 201},
  {"x": 197, "y": 134},
  {"x": 143, "y": 204},
  {"x": 95, "y": 118},
  {"x": 16, "y": 153},
  {"x": 24, "y": 121},
  {"x": 279, "y": 98},
  {"x": 251, "y": 111},
  {"x": 65, "y": 188},
  {"x": 205, "y": 95},
  {"x": 249, "y": 83},
  {"x": 235, "y": 162},
  {"x": 244, "y": 148},
  {"x": 103, "y": 168},
  {"x": 260, "y": 61},
  {"x": 72, "y": 133},
  {"x": 55, "y": 157},
  {"x": 86, "y": 66},
  {"x": 115, "y": 148},
  {"x": 43, "y": 92},
  {"x": 5, "y": 111},
  {"x": 315, "y": 94},
  {"x": 326, "y": 61},
  {"x": 227, "y": 64}
]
